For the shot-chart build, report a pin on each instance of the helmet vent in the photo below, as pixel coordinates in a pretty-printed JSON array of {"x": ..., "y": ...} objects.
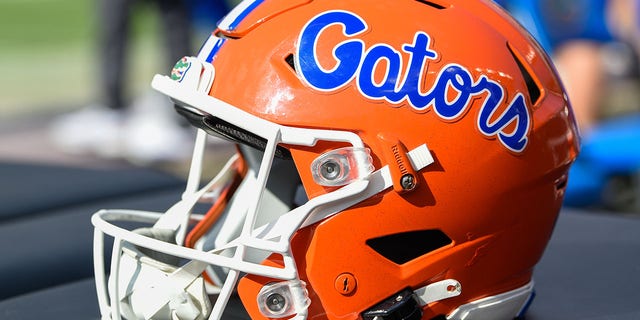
[
  {"x": 404, "y": 247},
  {"x": 561, "y": 183},
  {"x": 432, "y": 4},
  {"x": 239, "y": 135},
  {"x": 220, "y": 128},
  {"x": 532, "y": 87},
  {"x": 223, "y": 35},
  {"x": 290, "y": 61}
]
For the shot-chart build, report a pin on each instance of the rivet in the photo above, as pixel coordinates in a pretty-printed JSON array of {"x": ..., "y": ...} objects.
[
  {"x": 407, "y": 182},
  {"x": 345, "y": 283}
]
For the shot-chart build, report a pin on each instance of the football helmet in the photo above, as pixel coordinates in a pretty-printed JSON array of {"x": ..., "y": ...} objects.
[{"x": 400, "y": 159}]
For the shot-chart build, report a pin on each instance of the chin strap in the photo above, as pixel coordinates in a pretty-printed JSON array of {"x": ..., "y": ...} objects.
[{"x": 151, "y": 289}]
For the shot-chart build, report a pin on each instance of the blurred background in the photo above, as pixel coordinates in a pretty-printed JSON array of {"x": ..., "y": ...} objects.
[
  {"x": 61, "y": 58},
  {"x": 66, "y": 98}
]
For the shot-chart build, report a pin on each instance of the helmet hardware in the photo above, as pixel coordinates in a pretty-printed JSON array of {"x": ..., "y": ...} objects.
[
  {"x": 408, "y": 182},
  {"x": 283, "y": 299},
  {"x": 342, "y": 166},
  {"x": 400, "y": 306},
  {"x": 346, "y": 284},
  {"x": 402, "y": 172}
]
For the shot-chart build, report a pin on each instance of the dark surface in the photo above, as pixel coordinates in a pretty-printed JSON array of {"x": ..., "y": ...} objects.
[
  {"x": 45, "y": 230},
  {"x": 590, "y": 271},
  {"x": 27, "y": 190}
]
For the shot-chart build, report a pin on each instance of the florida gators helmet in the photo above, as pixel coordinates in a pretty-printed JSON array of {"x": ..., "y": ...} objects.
[{"x": 400, "y": 159}]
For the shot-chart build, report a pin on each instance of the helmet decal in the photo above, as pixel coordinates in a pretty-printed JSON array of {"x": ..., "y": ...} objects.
[
  {"x": 402, "y": 84},
  {"x": 180, "y": 69}
]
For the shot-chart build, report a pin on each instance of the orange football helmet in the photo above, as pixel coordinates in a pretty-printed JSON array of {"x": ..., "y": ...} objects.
[{"x": 400, "y": 159}]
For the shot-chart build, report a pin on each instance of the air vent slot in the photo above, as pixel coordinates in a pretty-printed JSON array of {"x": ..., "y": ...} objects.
[
  {"x": 532, "y": 87},
  {"x": 220, "y": 128},
  {"x": 404, "y": 247},
  {"x": 432, "y": 4},
  {"x": 289, "y": 60},
  {"x": 223, "y": 35},
  {"x": 561, "y": 183}
]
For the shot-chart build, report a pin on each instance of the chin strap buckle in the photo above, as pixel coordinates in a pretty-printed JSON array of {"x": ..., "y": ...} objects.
[
  {"x": 404, "y": 165},
  {"x": 407, "y": 304},
  {"x": 437, "y": 291},
  {"x": 400, "y": 306}
]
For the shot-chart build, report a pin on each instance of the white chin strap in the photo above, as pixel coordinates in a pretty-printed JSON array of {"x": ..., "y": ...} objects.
[{"x": 153, "y": 289}]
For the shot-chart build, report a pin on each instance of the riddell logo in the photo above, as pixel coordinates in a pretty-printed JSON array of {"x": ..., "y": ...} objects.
[{"x": 402, "y": 80}]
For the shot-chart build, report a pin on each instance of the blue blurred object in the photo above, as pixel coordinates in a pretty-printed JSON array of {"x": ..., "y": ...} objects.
[
  {"x": 553, "y": 22},
  {"x": 206, "y": 13},
  {"x": 611, "y": 150}
]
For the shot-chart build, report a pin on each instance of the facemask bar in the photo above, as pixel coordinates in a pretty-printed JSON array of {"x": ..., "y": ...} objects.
[
  {"x": 273, "y": 237},
  {"x": 274, "y": 135}
]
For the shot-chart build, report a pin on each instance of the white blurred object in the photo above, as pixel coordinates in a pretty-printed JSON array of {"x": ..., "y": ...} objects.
[
  {"x": 93, "y": 129},
  {"x": 149, "y": 131},
  {"x": 153, "y": 132}
]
